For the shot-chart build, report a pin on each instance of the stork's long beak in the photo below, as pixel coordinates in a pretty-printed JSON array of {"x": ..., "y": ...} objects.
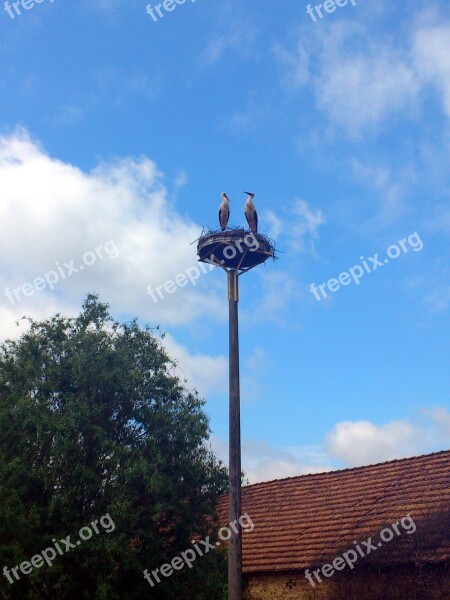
[{"x": 249, "y": 193}]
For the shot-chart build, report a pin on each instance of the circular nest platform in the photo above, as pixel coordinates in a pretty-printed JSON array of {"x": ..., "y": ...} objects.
[{"x": 235, "y": 249}]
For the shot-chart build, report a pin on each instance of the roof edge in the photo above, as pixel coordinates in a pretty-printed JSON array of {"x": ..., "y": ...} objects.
[{"x": 348, "y": 469}]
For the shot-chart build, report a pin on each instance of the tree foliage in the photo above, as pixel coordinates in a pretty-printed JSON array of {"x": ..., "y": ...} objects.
[{"x": 93, "y": 421}]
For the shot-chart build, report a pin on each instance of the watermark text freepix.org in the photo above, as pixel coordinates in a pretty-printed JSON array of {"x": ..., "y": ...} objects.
[
  {"x": 189, "y": 556},
  {"x": 21, "y": 4},
  {"x": 249, "y": 243},
  {"x": 167, "y": 5},
  {"x": 329, "y": 6},
  {"x": 67, "y": 269},
  {"x": 49, "y": 554},
  {"x": 372, "y": 263},
  {"x": 350, "y": 557}
]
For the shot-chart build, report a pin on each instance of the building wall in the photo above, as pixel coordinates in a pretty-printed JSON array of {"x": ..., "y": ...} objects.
[
  {"x": 430, "y": 583},
  {"x": 285, "y": 586}
]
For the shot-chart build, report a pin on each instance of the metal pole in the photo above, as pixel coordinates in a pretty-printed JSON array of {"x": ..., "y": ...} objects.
[{"x": 235, "y": 543}]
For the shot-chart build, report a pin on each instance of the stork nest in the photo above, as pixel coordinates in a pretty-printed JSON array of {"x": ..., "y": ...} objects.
[{"x": 232, "y": 248}]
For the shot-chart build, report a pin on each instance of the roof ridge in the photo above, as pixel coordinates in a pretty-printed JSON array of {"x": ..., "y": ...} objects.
[{"x": 362, "y": 467}]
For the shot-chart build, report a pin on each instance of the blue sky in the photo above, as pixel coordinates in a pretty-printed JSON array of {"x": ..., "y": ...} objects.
[{"x": 120, "y": 132}]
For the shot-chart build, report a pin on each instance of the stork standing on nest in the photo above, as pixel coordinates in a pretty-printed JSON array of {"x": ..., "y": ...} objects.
[
  {"x": 224, "y": 211},
  {"x": 250, "y": 213}
]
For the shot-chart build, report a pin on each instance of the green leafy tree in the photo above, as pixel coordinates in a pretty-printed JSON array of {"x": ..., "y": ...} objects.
[{"x": 93, "y": 422}]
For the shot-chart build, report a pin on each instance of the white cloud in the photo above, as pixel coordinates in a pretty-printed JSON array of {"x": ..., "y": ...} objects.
[
  {"x": 359, "y": 90},
  {"x": 297, "y": 225},
  {"x": 391, "y": 188},
  {"x": 67, "y": 114},
  {"x": 431, "y": 51},
  {"x": 114, "y": 85},
  {"x": 296, "y": 65},
  {"x": 248, "y": 119},
  {"x": 351, "y": 443},
  {"x": 273, "y": 224},
  {"x": 204, "y": 373},
  {"x": 256, "y": 367},
  {"x": 13, "y": 324},
  {"x": 441, "y": 418},
  {"x": 296, "y": 229},
  {"x": 440, "y": 220},
  {"x": 357, "y": 86},
  {"x": 52, "y": 212},
  {"x": 279, "y": 290},
  {"x": 438, "y": 299},
  {"x": 237, "y": 36},
  {"x": 361, "y": 82},
  {"x": 361, "y": 442},
  {"x": 304, "y": 227},
  {"x": 181, "y": 179},
  {"x": 261, "y": 462}
]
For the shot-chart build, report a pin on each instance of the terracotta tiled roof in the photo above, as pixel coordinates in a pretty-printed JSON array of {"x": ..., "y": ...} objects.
[{"x": 308, "y": 520}]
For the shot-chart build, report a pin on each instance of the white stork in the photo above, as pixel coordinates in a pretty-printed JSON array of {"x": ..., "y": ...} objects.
[
  {"x": 224, "y": 211},
  {"x": 250, "y": 213}
]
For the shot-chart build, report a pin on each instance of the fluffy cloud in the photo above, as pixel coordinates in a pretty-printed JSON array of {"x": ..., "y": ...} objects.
[
  {"x": 296, "y": 65},
  {"x": 431, "y": 51},
  {"x": 391, "y": 187},
  {"x": 261, "y": 462},
  {"x": 348, "y": 444},
  {"x": 205, "y": 373},
  {"x": 367, "y": 82},
  {"x": 356, "y": 443},
  {"x": 438, "y": 299},
  {"x": 441, "y": 419},
  {"x": 361, "y": 442},
  {"x": 52, "y": 213},
  {"x": 297, "y": 225},
  {"x": 236, "y": 36},
  {"x": 363, "y": 90}
]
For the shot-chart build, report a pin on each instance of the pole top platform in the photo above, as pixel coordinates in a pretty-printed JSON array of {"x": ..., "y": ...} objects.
[{"x": 235, "y": 249}]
